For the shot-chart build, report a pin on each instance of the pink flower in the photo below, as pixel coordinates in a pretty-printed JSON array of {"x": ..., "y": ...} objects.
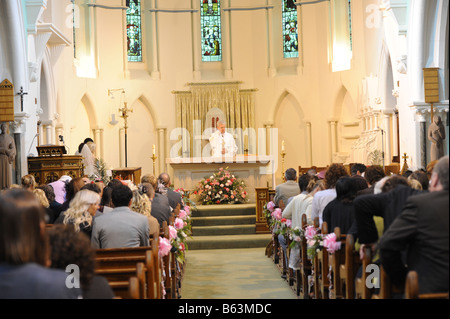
[
  {"x": 172, "y": 232},
  {"x": 182, "y": 215},
  {"x": 330, "y": 243},
  {"x": 289, "y": 223},
  {"x": 187, "y": 209},
  {"x": 164, "y": 246},
  {"x": 270, "y": 206},
  {"x": 179, "y": 223},
  {"x": 310, "y": 232},
  {"x": 277, "y": 214}
]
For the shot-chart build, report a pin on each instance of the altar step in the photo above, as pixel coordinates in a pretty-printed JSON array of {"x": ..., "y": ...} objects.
[{"x": 226, "y": 227}]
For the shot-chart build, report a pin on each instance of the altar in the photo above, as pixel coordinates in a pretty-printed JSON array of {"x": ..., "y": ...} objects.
[{"x": 255, "y": 171}]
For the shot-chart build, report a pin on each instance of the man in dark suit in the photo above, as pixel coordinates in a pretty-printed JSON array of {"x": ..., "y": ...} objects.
[
  {"x": 422, "y": 229},
  {"x": 174, "y": 197}
]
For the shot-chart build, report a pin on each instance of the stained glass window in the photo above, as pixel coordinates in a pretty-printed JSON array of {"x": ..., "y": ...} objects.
[
  {"x": 290, "y": 29},
  {"x": 134, "y": 31},
  {"x": 211, "y": 30},
  {"x": 350, "y": 23}
]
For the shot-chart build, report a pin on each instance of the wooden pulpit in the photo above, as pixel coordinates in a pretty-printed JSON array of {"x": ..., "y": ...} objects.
[{"x": 51, "y": 164}]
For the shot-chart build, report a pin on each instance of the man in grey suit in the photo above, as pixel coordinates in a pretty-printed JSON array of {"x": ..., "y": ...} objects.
[
  {"x": 288, "y": 189},
  {"x": 121, "y": 227}
]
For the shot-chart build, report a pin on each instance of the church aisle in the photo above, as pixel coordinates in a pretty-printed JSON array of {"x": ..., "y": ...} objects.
[{"x": 233, "y": 274}]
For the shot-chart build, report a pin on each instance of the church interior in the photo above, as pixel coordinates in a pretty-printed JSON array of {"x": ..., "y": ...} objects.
[{"x": 299, "y": 84}]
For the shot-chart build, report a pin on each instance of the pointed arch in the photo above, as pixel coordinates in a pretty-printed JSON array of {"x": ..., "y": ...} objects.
[
  {"x": 286, "y": 94},
  {"x": 87, "y": 102},
  {"x": 143, "y": 99}
]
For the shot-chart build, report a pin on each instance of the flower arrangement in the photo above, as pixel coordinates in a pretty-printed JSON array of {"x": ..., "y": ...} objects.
[
  {"x": 180, "y": 232},
  {"x": 101, "y": 172},
  {"x": 221, "y": 188},
  {"x": 314, "y": 240},
  {"x": 267, "y": 212},
  {"x": 296, "y": 234}
]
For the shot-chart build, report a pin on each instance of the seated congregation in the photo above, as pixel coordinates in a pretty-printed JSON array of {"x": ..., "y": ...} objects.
[
  {"x": 76, "y": 238},
  {"x": 359, "y": 233}
]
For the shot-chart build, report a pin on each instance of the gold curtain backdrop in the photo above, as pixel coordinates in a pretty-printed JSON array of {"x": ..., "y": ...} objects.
[{"x": 238, "y": 107}]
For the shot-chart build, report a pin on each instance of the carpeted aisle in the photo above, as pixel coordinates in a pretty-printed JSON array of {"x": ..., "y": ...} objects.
[{"x": 233, "y": 274}]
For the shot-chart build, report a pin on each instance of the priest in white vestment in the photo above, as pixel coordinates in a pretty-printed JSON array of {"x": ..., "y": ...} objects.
[{"x": 222, "y": 142}]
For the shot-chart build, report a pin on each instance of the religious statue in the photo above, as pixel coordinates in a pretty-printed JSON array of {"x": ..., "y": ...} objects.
[
  {"x": 7, "y": 155},
  {"x": 436, "y": 134},
  {"x": 222, "y": 143}
]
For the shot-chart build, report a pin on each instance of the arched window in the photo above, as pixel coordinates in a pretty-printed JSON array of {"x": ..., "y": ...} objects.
[
  {"x": 211, "y": 30},
  {"x": 290, "y": 29},
  {"x": 134, "y": 31}
]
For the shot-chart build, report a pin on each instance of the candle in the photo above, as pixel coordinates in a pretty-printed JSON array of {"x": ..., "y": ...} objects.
[
  {"x": 282, "y": 145},
  {"x": 153, "y": 148}
]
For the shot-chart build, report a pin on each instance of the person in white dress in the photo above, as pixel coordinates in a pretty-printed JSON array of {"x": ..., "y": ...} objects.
[{"x": 222, "y": 142}]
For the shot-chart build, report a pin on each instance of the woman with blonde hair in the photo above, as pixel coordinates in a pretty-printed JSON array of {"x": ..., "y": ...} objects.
[
  {"x": 81, "y": 211},
  {"x": 141, "y": 204},
  {"x": 40, "y": 195},
  {"x": 29, "y": 182}
]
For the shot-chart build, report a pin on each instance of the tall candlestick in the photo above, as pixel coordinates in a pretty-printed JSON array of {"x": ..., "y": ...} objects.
[
  {"x": 282, "y": 145},
  {"x": 154, "y": 149}
]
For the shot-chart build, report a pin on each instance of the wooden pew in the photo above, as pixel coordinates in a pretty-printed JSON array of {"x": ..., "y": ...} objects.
[
  {"x": 335, "y": 260},
  {"x": 134, "y": 291},
  {"x": 304, "y": 170},
  {"x": 412, "y": 289},
  {"x": 111, "y": 262},
  {"x": 349, "y": 268},
  {"x": 321, "y": 268},
  {"x": 120, "y": 281},
  {"x": 361, "y": 289},
  {"x": 387, "y": 289}
]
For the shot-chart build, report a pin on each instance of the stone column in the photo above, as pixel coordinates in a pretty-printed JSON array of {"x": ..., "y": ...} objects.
[
  {"x": 196, "y": 45},
  {"x": 421, "y": 119},
  {"x": 333, "y": 138},
  {"x": 309, "y": 143},
  {"x": 161, "y": 150},
  {"x": 18, "y": 127},
  {"x": 387, "y": 138},
  {"x": 226, "y": 43},
  {"x": 155, "y": 68},
  {"x": 394, "y": 135},
  {"x": 98, "y": 138},
  {"x": 272, "y": 70}
]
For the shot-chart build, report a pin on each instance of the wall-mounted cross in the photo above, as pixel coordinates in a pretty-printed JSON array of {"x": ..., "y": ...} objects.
[{"x": 21, "y": 93}]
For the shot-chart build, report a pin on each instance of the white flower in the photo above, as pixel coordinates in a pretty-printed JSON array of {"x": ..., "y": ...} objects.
[
  {"x": 212, "y": 177},
  {"x": 209, "y": 193},
  {"x": 221, "y": 185},
  {"x": 220, "y": 192}
]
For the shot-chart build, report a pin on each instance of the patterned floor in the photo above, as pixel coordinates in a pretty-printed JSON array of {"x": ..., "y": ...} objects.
[{"x": 233, "y": 274}]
